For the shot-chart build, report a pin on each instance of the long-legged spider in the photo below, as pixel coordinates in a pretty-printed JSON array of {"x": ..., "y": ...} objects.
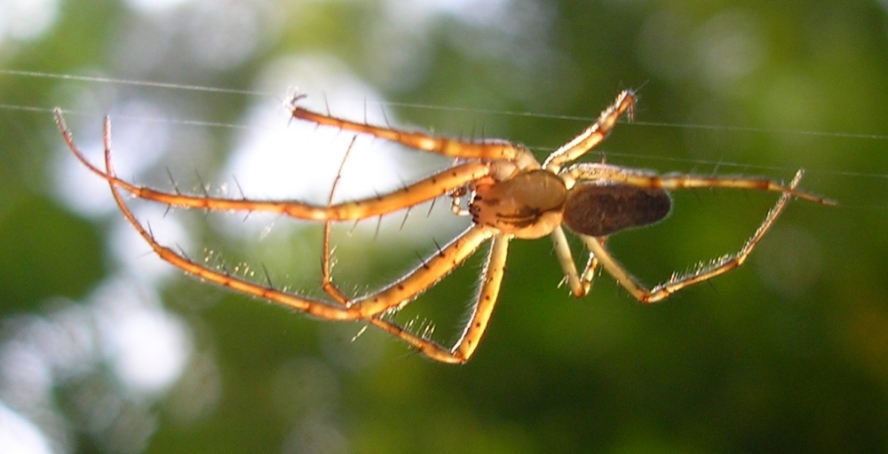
[{"x": 508, "y": 194}]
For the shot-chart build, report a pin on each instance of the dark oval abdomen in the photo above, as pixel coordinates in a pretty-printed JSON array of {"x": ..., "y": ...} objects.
[{"x": 599, "y": 210}]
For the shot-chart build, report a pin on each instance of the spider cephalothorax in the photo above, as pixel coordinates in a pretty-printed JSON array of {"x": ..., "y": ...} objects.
[
  {"x": 526, "y": 205},
  {"x": 509, "y": 195}
]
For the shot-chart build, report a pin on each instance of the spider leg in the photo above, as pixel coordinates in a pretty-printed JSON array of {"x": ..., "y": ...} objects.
[
  {"x": 678, "y": 282},
  {"x": 419, "y": 192},
  {"x": 419, "y": 342},
  {"x": 428, "y": 273},
  {"x": 313, "y": 307},
  {"x": 490, "y": 287},
  {"x": 366, "y": 307},
  {"x": 577, "y": 285},
  {"x": 422, "y": 344},
  {"x": 591, "y": 265},
  {"x": 471, "y": 336},
  {"x": 326, "y": 256},
  {"x": 615, "y": 174},
  {"x": 580, "y": 285},
  {"x": 594, "y": 134},
  {"x": 430, "y": 188},
  {"x": 398, "y": 293},
  {"x": 468, "y": 341},
  {"x": 478, "y": 149}
]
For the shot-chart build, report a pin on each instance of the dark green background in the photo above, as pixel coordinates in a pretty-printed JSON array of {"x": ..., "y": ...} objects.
[{"x": 788, "y": 353}]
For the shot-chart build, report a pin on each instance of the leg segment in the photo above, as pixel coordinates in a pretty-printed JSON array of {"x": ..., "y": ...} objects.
[
  {"x": 471, "y": 336},
  {"x": 421, "y": 342},
  {"x": 565, "y": 258},
  {"x": 593, "y": 135},
  {"x": 642, "y": 179},
  {"x": 482, "y": 149},
  {"x": 580, "y": 285},
  {"x": 439, "y": 184},
  {"x": 676, "y": 283},
  {"x": 591, "y": 265},
  {"x": 490, "y": 285}
]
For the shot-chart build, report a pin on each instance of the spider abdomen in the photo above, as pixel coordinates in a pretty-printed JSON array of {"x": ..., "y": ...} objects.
[
  {"x": 600, "y": 210},
  {"x": 528, "y": 205}
]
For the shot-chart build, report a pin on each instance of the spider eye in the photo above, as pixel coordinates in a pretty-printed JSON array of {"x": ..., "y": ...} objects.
[{"x": 600, "y": 210}]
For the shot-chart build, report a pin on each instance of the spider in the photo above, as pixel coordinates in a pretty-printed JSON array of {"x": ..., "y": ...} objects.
[{"x": 507, "y": 193}]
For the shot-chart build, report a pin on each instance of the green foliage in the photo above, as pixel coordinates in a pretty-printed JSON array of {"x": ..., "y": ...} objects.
[{"x": 788, "y": 353}]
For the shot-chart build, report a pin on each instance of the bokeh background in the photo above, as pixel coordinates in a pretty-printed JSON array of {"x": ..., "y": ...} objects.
[{"x": 103, "y": 348}]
